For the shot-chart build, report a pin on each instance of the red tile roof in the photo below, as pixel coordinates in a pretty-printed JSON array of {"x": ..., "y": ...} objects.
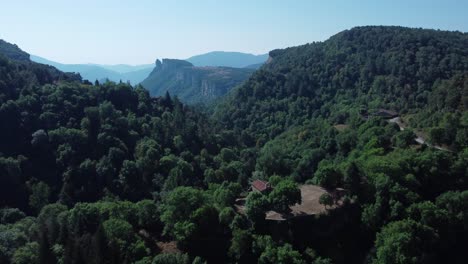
[{"x": 260, "y": 185}]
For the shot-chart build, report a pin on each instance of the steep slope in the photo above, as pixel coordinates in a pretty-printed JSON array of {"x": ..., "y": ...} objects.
[
  {"x": 63, "y": 142},
  {"x": 16, "y": 70},
  {"x": 227, "y": 59},
  {"x": 312, "y": 113},
  {"x": 357, "y": 70},
  {"x": 193, "y": 84},
  {"x": 12, "y": 51}
]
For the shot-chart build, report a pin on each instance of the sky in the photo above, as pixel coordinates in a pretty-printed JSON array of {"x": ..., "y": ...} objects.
[{"x": 139, "y": 31}]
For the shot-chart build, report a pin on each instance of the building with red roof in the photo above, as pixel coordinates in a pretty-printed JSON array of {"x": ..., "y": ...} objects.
[{"x": 260, "y": 186}]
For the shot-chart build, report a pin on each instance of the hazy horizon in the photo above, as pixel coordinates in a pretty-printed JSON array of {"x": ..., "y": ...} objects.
[
  {"x": 111, "y": 32},
  {"x": 140, "y": 64}
]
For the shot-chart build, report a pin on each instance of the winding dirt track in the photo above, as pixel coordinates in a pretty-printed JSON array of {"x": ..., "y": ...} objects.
[{"x": 419, "y": 136}]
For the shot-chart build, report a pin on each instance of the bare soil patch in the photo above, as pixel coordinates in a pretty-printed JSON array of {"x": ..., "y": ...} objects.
[
  {"x": 341, "y": 127},
  {"x": 168, "y": 247},
  {"x": 310, "y": 205}
]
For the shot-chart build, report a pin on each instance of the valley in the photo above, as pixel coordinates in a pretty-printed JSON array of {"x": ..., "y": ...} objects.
[{"x": 349, "y": 150}]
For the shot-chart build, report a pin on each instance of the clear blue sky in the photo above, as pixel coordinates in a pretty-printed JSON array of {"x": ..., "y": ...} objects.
[{"x": 139, "y": 31}]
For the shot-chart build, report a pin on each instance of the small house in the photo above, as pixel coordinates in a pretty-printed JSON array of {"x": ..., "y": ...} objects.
[{"x": 260, "y": 186}]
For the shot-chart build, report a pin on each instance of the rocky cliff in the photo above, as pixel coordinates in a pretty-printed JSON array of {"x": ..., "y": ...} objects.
[{"x": 193, "y": 84}]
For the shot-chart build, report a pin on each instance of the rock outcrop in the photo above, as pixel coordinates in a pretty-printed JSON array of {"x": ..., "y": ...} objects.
[{"x": 193, "y": 84}]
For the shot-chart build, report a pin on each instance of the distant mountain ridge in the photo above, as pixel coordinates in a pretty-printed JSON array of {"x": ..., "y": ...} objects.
[
  {"x": 193, "y": 84},
  {"x": 227, "y": 59},
  {"x": 125, "y": 68},
  {"x": 137, "y": 73},
  {"x": 92, "y": 72}
]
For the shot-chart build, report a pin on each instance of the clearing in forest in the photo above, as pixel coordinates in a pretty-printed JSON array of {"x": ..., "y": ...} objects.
[{"x": 310, "y": 204}]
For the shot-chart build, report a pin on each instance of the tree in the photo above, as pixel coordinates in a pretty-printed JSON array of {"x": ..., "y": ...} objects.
[
  {"x": 10, "y": 215},
  {"x": 326, "y": 199},
  {"x": 271, "y": 252},
  {"x": 226, "y": 216},
  {"x": 286, "y": 254},
  {"x": 48, "y": 222},
  {"x": 201, "y": 233},
  {"x": 274, "y": 180},
  {"x": 405, "y": 241},
  {"x": 428, "y": 214},
  {"x": 130, "y": 181},
  {"x": 352, "y": 177},
  {"x": 40, "y": 193},
  {"x": 39, "y": 138},
  {"x": 148, "y": 215},
  {"x": 227, "y": 155},
  {"x": 273, "y": 159},
  {"x": 241, "y": 244},
  {"x": 124, "y": 244},
  {"x": 327, "y": 175},
  {"x": 436, "y": 135},
  {"x": 180, "y": 175},
  {"x": 28, "y": 254},
  {"x": 179, "y": 205},
  {"x": 171, "y": 258},
  {"x": 226, "y": 194},
  {"x": 346, "y": 141},
  {"x": 256, "y": 206},
  {"x": 10, "y": 240},
  {"x": 285, "y": 194},
  {"x": 404, "y": 138},
  {"x": 11, "y": 193},
  {"x": 147, "y": 155}
]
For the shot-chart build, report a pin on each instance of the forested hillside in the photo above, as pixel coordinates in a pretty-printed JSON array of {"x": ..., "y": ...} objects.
[
  {"x": 105, "y": 173},
  {"x": 12, "y": 51},
  {"x": 66, "y": 144},
  {"x": 310, "y": 113},
  {"x": 363, "y": 69}
]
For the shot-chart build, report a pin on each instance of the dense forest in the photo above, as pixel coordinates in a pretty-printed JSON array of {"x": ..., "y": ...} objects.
[{"x": 105, "y": 173}]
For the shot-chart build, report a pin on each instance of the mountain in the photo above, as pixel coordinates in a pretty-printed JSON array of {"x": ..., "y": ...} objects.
[
  {"x": 254, "y": 66},
  {"x": 193, "y": 84},
  {"x": 92, "y": 72},
  {"x": 137, "y": 73},
  {"x": 320, "y": 114},
  {"x": 27, "y": 72},
  {"x": 87, "y": 71},
  {"x": 227, "y": 59},
  {"x": 12, "y": 51},
  {"x": 66, "y": 146},
  {"x": 328, "y": 131},
  {"x": 125, "y": 68},
  {"x": 364, "y": 68}
]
